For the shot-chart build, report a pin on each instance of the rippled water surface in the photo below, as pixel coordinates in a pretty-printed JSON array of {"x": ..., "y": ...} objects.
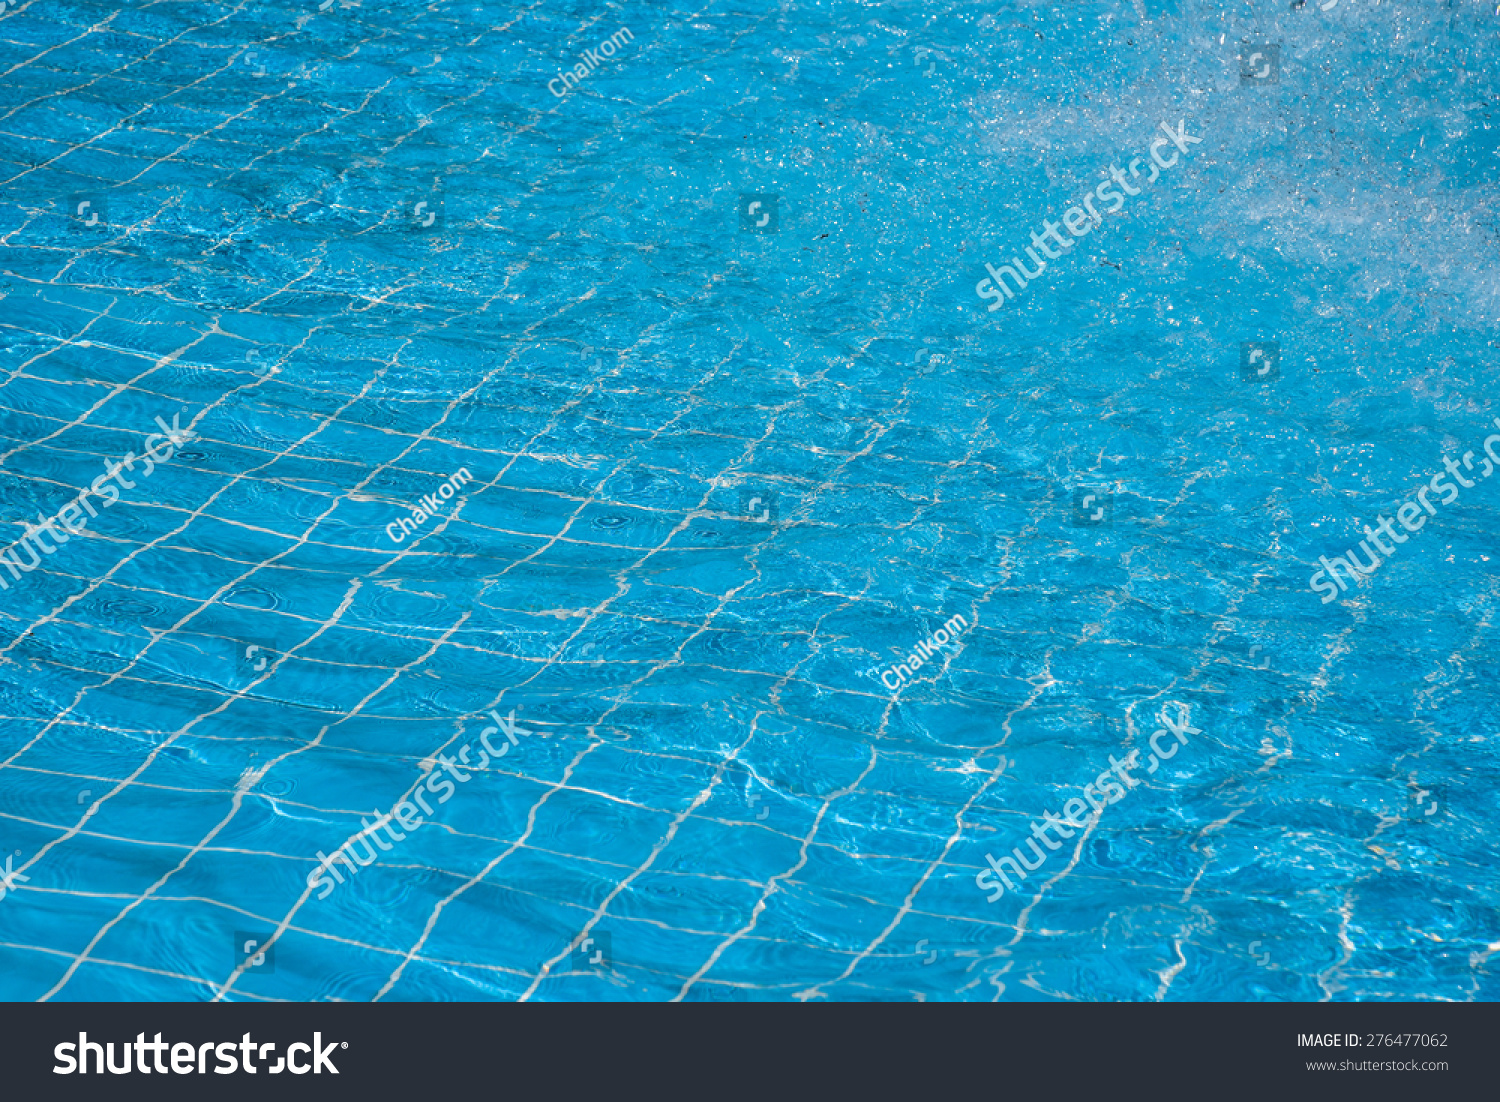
[{"x": 781, "y": 588}]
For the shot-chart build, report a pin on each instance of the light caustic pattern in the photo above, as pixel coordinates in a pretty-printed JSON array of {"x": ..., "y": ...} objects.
[{"x": 727, "y": 466}]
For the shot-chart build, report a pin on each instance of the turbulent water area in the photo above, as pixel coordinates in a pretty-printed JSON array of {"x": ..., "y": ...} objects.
[{"x": 948, "y": 501}]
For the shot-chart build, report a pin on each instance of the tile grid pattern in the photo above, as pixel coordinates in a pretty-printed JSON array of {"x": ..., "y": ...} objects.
[{"x": 527, "y": 981}]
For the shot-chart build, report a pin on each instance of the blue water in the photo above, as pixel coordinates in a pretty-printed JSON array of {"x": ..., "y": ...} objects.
[{"x": 727, "y": 467}]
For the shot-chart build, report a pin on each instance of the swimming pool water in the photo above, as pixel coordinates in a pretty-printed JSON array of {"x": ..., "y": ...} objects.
[{"x": 698, "y": 346}]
